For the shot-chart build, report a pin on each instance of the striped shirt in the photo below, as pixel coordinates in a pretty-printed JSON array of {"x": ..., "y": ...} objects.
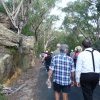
[{"x": 62, "y": 66}]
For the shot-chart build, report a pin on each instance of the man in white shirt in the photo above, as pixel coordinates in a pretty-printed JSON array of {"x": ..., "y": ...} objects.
[{"x": 87, "y": 72}]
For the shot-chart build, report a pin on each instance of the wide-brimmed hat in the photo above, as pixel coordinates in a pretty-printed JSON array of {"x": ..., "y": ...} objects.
[{"x": 78, "y": 48}]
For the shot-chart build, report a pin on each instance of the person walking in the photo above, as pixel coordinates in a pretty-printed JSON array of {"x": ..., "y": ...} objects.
[
  {"x": 62, "y": 70},
  {"x": 47, "y": 59},
  {"x": 72, "y": 53},
  {"x": 57, "y": 51},
  {"x": 88, "y": 69},
  {"x": 78, "y": 49}
]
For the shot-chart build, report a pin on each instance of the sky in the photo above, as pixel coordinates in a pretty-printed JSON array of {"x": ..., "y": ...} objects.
[{"x": 57, "y": 11}]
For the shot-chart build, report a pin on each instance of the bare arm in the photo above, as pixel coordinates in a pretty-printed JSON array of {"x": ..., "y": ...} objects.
[
  {"x": 73, "y": 76},
  {"x": 50, "y": 74}
]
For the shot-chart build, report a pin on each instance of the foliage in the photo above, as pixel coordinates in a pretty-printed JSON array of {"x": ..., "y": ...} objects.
[
  {"x": 37, "y": 15},
  {"x": 26, "y": 30},
  {"x": 98, "y": 6},
  {"x": 40, "y": 24},
  {"x": 13, "y": 50},
  {"x": 97, "y": 45},
  {"x": 38, "y": 48},
  {"x": 82, "y": 18},
  {"x": 69, "y": 40},
  {"x": 2, "y": 10},
  {"x": 81, "y": 21}
]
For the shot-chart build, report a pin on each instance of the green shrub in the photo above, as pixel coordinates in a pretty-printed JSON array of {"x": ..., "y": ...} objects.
[{"x": 26, "y": 31}]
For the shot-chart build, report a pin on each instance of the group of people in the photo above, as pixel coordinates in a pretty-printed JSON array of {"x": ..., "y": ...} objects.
[
  {"x": 66, "y": 72},
  {"x": 47, "y": 56}
]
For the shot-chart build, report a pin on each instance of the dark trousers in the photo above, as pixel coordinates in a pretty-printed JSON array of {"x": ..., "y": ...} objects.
[
  {"x": 88, "y": 83},
  {"x": 47, "y": 68}
]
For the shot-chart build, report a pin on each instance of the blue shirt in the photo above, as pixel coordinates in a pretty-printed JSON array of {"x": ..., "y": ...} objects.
[{"x": 62, "y": 66}]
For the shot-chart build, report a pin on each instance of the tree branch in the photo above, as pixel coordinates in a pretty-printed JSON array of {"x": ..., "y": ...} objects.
[{"x": 8, "y": 13}]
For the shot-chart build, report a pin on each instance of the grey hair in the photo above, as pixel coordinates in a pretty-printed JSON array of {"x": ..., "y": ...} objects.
[{"x": 63, "y": 47}]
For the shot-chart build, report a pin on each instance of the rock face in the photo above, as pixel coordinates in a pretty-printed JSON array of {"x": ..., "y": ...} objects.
[
  {"x": 26, "y": 49},
  {"x": 8, "y": 37},
  {"x": 8, "y": 40},
  {"x": 15, "y": 51},
  {"x": 28, "y": 42},
  {"x": 4, "y": 19},
  {"x": 5, "y": 65}
]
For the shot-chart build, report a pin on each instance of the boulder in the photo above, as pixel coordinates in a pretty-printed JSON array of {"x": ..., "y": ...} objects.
[
  {"x": 16, "y": 51},
  {"x": 4, "y": 19},
  {"x": 28, "y": 42},
  {"x": 8, "y": 37},
  {"x": 5, "y": 65}
]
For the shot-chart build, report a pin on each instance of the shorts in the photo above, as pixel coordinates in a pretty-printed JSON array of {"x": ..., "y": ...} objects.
[{"x": 61, "y": 88}]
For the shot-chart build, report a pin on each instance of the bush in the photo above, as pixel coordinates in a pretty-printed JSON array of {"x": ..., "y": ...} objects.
[{"x": 26, "y": 30}]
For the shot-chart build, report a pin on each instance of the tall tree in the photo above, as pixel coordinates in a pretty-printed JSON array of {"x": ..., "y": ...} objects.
[
  {"x": 15, "y": 11},
  {"x": 82, "y": 18},
  {"x": 47, "y": 32},
  {"x": 39, "y": 11}
]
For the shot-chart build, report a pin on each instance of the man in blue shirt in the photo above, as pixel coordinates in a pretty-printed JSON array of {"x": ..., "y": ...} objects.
[{"x": 62, "y": 68}]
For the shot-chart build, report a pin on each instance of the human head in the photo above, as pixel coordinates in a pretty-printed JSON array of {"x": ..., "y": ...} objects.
[
  {"x": 72, "y": 50},
  {"x": 64, "y": 48},
  {"x": 86, "y": 43},
  {"x": 58, "y": 45},
  {"x": 46, "y": 51},
  {"x": 78, "y": 49}
]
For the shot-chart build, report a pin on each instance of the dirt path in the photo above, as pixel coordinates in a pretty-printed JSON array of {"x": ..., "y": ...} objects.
[{"x": 27, "y": 81}]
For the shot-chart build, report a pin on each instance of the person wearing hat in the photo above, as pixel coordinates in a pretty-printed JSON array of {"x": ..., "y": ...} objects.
[
  {"x": 62, "y": 69},
  {"x": 88, "y": 69},
  {"x": 78, "y": 49}
]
